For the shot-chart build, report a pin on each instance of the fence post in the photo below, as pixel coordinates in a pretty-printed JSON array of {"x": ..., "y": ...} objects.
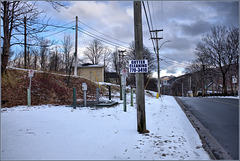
[
  {"x": 109, "y": 88},
  {"x": 74, "y": 98},
  {"x": 97, "y": 98}
]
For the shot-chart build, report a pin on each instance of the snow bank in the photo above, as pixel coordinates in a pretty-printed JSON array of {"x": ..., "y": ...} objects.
[
  {"x": 231, "y": 97},
  {"x": 59, "y": 132}
]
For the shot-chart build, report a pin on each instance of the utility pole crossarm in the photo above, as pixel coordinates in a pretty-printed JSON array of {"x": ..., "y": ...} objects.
[
  {"x": 156, "y": 38},
  {"x": 156, "y": 30}
]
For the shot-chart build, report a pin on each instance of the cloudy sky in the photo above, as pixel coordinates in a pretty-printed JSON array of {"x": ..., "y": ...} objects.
[{"x": 183, "y": 23}]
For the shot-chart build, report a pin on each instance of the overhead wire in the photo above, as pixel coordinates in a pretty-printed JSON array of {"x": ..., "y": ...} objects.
[
  {"x": 154, "y": 18},
  {"x": 60, "y": 31},
  {"x": 162, "y": 17},
  {"x": 86, "y": 33},
  {"x": 149, "y": 28},
  {"x": 100, "y": 38},
  {"x": 102, "y": 33},
  {"x": 150, "y": 14},
  {"x": 56, "y": 26},
  {"x": 173, "y": 62}
]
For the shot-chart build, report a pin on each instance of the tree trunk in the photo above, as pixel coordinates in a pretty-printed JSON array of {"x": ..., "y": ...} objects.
[
  {"x": 6, "y": 40},
  {"x": 213, "y": 93},
  {"x": 231, "y": 85},
  {"x": 224, "y": 84}
]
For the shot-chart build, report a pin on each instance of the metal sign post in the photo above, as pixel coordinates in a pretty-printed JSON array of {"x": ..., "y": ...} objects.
[
  {"x": 30, "y": 75},
  {"x": 124, "y": 75},
  {"x": 131, "y": 96},
  {"x": 234, "y": 81},
  {"x": 84, "y": 88}
]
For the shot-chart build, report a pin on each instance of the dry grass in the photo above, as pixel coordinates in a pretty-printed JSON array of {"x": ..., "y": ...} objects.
[{"x": 46, "y": 88}]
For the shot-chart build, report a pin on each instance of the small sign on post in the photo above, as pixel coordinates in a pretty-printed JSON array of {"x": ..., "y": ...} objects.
[
  {"x": 234, "y": 79},
  {"x": 124, "y": 72},
  {"x": 30, "y": 73},
  {"x": 138, "y": 66},
  {"x": 84, "y": 86}
]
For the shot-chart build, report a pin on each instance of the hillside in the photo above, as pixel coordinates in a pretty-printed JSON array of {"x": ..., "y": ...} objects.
[{"x": 46, "y": 88}]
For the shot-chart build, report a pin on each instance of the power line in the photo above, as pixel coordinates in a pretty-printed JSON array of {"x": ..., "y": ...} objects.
[
  {"x": 102, "y": 33},
  {"x": 154, "y": 18},
  {"x": 60, "y": 31},
  {"x": 162, "y": 16},
  {"x": 100, "y": 38},
  {"x": 173, "y": 62},
  {"x": 148, "y": 26},
  {"x": 57, "y": 26},
  {"x": 150, "y": 15}
]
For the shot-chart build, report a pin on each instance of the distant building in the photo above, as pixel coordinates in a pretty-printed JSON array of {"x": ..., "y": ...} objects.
[
  {"x": 91, "y": 72},
  {"x": 111, "y": 77},
  {"x": 166, "y": 84}
]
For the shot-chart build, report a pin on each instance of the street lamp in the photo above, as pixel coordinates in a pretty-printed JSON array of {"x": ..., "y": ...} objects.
[{"x": 159, "y": 64}]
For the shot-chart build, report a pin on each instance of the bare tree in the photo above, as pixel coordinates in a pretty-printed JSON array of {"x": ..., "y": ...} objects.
[
  {"x": 54, "y": 62},
  {"x": 94, "y": 51},
  {"x": 57, "y": 5},
  {"x": 114, "y": 59},
  {"x": 12, "y": 15},
  {"x": 44, "y": 52},
  {"x": 220, "y": 47},
  {"x": 106, "y": 58},
  {"x": 67, "y": 48},
  {"x": 35, "y": 58}
]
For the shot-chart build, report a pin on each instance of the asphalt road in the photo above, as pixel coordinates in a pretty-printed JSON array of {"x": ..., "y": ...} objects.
[{"x": 220, "y": 116}]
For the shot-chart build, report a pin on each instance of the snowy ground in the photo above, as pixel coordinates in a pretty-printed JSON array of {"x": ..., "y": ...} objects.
[{"x": 59, "y": 132}]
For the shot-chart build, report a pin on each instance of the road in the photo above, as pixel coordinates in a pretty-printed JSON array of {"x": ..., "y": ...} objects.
[{"x": 220, "y": 116}]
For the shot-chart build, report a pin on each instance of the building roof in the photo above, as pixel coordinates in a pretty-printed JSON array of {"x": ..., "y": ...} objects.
[{"x": 88, "y": 65}]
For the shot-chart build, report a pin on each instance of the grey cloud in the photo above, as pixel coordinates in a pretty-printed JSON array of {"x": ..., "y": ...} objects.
[
  {"x": 227, "y": 12},
  {"x": 123, "y": 33},
  {"x": 172, "y": 69},
  {"x": 197, "y": 28}
]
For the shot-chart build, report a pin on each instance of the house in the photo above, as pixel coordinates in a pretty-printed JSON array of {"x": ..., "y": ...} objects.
[
  {"x": 91, "y": 72},
  {"x": 166, "y": 84},
  {"x": 165, "y": 81}
]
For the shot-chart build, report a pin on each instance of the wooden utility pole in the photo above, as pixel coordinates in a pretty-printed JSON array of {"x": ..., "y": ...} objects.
[
  {"x": 25, "y": 42},
  {"x": 28, "y": 57},
  {"x": 76, "y": 45},
  {"x": 157, "y": 38},
  {"x": 140, "y": 95},
  {"x": 120, "y": 68}
]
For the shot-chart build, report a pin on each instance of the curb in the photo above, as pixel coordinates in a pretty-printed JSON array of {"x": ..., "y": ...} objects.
[{"x": 210, "y": 144}]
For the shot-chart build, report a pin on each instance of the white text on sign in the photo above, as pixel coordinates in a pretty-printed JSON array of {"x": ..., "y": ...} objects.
[{"x": 138, "y": 66}]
